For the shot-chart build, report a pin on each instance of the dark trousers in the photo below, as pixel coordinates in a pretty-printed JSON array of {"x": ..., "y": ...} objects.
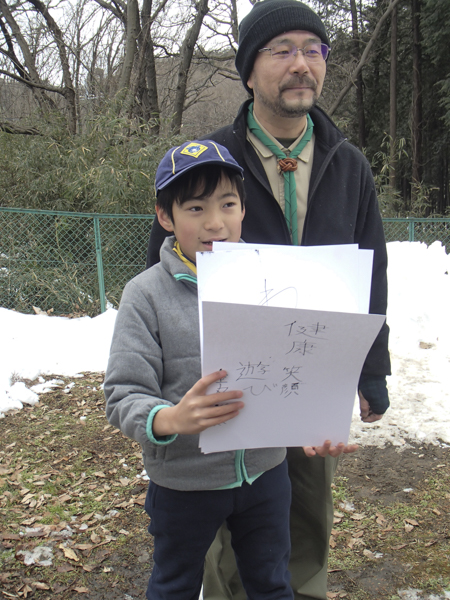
[
  {"x": 311, "y": 524},
  {"x": 184, "y": 525}
]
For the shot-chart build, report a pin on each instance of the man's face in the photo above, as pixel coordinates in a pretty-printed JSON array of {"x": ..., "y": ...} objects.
[{"x": 289, "y": 87}]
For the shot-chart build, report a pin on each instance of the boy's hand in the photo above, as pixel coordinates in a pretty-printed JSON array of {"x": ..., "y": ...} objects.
[
  {"x": 327, "y": 448},
  {"x": 197, "y": 411}
]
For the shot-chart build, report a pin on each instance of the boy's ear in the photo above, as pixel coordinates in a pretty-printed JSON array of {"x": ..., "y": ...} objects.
[{"x": 164, "y": 220}]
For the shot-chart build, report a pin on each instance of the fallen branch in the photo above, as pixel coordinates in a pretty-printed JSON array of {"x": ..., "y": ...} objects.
[{"x": 16, "y": 129}]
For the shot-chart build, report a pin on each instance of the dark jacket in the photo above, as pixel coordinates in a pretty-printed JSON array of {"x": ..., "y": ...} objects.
[{"x": 342, "y": 209}]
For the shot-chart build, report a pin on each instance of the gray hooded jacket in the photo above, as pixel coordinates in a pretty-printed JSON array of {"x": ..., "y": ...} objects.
[{"x": 155, "y": 360}]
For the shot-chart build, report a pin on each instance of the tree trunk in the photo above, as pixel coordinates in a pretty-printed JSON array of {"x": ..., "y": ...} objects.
[
  {"x": 147, "y": 92},
  {"x": 359, "y": 81},
  {"x": 131, "y": 43},
  {"x": 393, "y": 103},
  {"x": 69, "y": 89},
  {"x": 186, "y": 54},
  {"x": 152, "y": 90},
  {"x": 416, "y": 128},
  {"x": 234, "y": 21}
]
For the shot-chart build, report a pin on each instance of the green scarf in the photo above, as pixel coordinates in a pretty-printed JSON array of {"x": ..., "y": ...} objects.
[{"x": 287, "y": 166}]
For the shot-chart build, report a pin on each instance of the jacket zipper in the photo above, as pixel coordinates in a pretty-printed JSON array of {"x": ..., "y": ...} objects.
[{"x": 239, "y": 463}]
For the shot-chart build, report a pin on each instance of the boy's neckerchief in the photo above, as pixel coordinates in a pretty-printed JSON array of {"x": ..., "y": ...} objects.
[
  {"x": 287, "y": 166},
  {"x": 187, "y": 261}
]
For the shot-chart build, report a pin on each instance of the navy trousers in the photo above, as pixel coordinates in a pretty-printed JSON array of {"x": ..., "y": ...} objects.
[{"x": 184, "y": 525}]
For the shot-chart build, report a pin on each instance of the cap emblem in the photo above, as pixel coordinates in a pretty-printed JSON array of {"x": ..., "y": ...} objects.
[{"x": 194, "y": 150}]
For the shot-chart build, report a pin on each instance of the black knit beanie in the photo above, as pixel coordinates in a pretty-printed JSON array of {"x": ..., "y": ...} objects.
[{"x": 266, "y": 20}]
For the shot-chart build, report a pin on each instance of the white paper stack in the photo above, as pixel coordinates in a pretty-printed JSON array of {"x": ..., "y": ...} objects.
[{"x": 291, "y": 328}]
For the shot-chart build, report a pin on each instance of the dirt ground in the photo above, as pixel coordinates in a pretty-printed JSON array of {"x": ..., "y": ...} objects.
[
  {"x": 70, "y": 487},
  {"x": 403, "y": 492}
]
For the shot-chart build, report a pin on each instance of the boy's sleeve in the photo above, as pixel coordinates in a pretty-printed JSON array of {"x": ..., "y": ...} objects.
[
  {"x": 159, "y": 441},
  {"x": 135, "y": 367}
]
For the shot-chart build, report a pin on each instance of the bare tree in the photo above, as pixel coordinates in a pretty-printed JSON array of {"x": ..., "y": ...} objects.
[
  {"x": 35, "y": 54},
  {"x": 162, "y": 56},
  {"x": 20, "y": 60},
  {"x": 149, "y": 39}
]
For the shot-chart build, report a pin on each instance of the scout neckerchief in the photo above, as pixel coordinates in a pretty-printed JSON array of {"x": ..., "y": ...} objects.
[
  {"x": 287, "y": 166},
  {"x": 187, "y": 261}
]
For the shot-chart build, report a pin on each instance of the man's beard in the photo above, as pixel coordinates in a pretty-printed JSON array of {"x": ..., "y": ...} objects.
[{"x": 295, "y": 108}]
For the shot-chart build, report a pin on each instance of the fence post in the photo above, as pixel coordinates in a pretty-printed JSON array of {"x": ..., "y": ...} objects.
[
  {"x": 411, "y": 230},
  {"x": 98, "y": 254}
]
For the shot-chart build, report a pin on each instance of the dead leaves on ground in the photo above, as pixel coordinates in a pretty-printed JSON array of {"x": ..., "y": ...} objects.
[
  {"x": 363, "y": 530},
  {"x": 52, "y": 468},
  {"x": 62, "y": 545}
]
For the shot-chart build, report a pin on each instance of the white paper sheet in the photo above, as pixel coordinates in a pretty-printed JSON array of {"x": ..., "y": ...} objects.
[
  {"x": 298, "y": 369},
  {"x": 319, "y": 277},
  {"x": 335, "y": 278},
  {"x": 318, "y": 253}
]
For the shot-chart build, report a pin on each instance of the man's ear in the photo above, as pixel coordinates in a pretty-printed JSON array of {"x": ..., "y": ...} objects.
[
  {"x": 164, "y": 220},
  {"x": 250, "y": 81}
]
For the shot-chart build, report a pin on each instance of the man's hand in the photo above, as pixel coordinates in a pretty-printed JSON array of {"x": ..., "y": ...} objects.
[
  {"x": 366, "y": 413},
  {"x": 197, "y": 411},
  {"x": 328, "y": 449}
]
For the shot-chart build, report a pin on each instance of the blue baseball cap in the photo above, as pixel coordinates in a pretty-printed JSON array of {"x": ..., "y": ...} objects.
[{"x": 189, "y": 155}]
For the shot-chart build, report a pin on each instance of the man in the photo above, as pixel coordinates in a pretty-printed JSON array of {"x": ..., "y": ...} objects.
[{"x": 305, "y": 184}]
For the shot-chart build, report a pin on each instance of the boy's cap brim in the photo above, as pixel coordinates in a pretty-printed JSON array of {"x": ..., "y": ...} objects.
[{"x": 181, "y": 159}]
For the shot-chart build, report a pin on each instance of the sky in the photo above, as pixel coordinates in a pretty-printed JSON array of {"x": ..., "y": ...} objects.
[
  {"x": 41, "y": 346},
  {"x": 243, "y": 8}
]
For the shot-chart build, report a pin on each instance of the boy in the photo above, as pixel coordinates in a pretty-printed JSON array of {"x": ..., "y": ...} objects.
[{"x": 155, "y": 395}]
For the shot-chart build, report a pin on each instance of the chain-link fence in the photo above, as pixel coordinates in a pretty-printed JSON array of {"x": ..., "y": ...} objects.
[
  {"x": 69, "y": 262},
  {"x": 418, "y": 230},
  {"x": 78, "y": 263}
]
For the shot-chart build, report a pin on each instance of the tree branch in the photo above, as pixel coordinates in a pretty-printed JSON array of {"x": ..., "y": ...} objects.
[
  {"x": 31, "y": 84},
  {"x": 118, "y": 10}
]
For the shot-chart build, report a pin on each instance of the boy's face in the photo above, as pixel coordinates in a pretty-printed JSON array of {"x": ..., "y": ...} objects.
[{"x": 198, "y": 223}]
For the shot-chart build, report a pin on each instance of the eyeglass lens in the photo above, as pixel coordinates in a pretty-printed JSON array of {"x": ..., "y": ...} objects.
[{"x": 312, "y": 52}]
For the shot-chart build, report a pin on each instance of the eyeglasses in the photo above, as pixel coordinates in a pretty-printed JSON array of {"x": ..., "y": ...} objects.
[{"x": 313, "y": 53}]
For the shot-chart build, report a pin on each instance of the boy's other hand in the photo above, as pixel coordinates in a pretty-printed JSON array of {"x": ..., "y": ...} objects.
[
  {"x": 198, "y": 410},
  {"x": 328, "y": 449}
]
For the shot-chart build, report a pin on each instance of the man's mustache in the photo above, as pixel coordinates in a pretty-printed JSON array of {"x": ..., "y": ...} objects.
[{"x": 296, "y": 81}]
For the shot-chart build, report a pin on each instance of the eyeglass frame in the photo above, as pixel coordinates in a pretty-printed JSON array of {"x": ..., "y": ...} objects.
[{"x": 297, "y": 50}]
